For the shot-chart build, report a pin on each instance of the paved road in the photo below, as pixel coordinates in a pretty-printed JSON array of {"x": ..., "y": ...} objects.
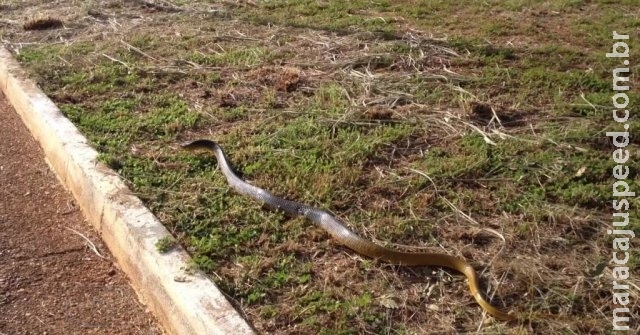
[{"x": 51, "y": 281}]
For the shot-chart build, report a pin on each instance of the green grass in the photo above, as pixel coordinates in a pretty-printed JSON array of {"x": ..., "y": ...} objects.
[
  {"x": 165, "y": 244},
  {"x": 353, "y": 107},
  {"x": 239, "y": 57}
]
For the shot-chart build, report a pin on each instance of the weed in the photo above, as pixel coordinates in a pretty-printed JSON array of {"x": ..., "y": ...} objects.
[
  {"x": 165, "y": 244},
  {"x": 488, "y": 143}
]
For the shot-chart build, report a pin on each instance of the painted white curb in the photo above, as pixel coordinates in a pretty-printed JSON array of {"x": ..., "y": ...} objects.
[{"x": 184, "y": 304}]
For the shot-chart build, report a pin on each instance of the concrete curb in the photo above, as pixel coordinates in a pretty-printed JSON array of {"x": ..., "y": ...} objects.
[{"x": 183, "y": 303}]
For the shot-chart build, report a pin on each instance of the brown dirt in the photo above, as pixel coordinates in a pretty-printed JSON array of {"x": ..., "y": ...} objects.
[
  {"x": 51, "y": 282},
  {"x": 549, "y": 252}
]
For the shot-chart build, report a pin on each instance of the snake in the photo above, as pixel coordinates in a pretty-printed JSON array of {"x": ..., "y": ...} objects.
[{"x": 343, "y": 235}]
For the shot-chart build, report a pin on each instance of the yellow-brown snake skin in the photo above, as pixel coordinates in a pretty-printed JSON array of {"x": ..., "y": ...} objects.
[{"x": 343, "y": 235}]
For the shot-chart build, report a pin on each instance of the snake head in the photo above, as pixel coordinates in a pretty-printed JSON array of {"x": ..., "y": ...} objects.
[{"x": 200, "y": 144}]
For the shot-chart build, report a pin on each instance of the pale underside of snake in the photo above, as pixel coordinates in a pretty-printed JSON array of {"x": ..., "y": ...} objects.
[{"x": 341, "y": 233}]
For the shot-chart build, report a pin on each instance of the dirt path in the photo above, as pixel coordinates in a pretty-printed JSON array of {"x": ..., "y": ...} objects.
[{"x": 51, "y": 282}]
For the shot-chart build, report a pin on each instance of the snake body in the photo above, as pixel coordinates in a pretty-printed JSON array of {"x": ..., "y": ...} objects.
[{"x": 339, "y": 231}]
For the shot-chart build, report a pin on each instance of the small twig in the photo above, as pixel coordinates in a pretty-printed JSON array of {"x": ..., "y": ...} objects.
[
  {"x": 446, "y": 69},
  {"x": 64, "y": 60},
  {"x": 587, "y": 101},
  {"x": 131, "y": 47},
  {"x": 479, "y": 179},
  {"x": 484, "y": 135},
  {"x": 232, "y": 38},
  {"x": 562, "y": 145},
  {"x": 117, "y": 61},
  {"x": 426, "y": 176},
  {"x": 462, "y": 90},
  {"x": 469, "y": 218},
  {"x": 474, "y": 222},
  {"x": 495, "y": 117},
  {"x": 89, "y": 243}
]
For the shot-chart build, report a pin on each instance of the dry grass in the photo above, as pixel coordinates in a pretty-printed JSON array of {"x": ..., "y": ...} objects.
[{"x": 419, "y": 127}]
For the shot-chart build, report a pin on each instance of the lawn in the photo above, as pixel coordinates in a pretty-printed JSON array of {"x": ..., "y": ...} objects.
[{"x": 474, "y": 129}]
